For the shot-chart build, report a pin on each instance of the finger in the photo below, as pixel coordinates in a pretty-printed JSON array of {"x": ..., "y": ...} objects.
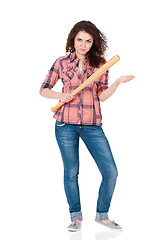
[
  {"x": 71, "y": 96},
  {"x": 68, "y": 99},
  {"x": 130, "y": 77}
]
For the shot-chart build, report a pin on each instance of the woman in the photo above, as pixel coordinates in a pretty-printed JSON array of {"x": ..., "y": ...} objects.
[{"x": 80, "y": 116}]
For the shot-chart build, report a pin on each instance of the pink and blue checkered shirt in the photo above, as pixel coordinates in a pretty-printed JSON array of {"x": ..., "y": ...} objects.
[{"x": 85, "y": 107}]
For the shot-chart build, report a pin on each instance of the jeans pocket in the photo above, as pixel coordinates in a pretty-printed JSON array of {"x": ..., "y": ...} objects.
[{"x": 59, "y": 124}]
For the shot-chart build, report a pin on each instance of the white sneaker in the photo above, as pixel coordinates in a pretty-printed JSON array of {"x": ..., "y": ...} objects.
[
  {"x": 111, "y": 224},
  {"x": 74, "y": 226}
]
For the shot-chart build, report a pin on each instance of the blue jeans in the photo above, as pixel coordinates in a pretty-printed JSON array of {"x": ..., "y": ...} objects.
[{"x": 67, "y": 136}]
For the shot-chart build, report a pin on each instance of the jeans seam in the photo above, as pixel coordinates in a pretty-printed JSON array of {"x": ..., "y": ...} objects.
[{"x": 103, "y": 171}]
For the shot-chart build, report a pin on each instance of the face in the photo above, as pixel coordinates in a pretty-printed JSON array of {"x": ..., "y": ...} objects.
[{"x": 83, "y": 43}]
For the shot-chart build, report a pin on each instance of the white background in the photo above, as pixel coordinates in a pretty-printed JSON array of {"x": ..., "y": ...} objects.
[{"x": 32, "y": 202}]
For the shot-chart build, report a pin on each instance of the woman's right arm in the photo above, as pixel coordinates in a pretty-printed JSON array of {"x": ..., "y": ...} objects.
[
  {"x": 46, "y": 92},
  {"x": 64, "y": 97},
  {"x": 50, "y": 80}
]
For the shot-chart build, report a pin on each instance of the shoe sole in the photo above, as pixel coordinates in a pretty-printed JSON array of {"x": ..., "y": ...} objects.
[{"x": 72, "y": 230}]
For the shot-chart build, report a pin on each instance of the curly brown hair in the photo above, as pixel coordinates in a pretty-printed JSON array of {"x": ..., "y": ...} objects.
[{"x": 96, "y": 53}]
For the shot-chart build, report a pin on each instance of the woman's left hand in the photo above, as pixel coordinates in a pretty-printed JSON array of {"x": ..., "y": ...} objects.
[{"x": 125, "y": 78}]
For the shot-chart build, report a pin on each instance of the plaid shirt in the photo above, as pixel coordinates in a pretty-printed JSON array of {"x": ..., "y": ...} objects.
[{"x": 85, "y": 107}]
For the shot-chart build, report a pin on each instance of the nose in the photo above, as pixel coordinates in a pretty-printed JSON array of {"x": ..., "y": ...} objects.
[{"x": 83, "y": 44}]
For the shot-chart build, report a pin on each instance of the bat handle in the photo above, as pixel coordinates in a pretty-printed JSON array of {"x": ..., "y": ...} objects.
[{"x": 60, "y": 104}]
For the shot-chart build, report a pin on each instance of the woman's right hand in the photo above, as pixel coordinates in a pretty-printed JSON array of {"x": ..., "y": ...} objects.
[{"x": 66, "y": 97}]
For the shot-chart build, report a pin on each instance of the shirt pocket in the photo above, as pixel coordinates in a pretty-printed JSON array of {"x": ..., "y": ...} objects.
[{"x": 67, "y": 75}]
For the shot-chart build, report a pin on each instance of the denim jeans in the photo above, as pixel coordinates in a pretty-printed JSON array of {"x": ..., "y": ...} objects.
[{"x": 67, "y": 136}]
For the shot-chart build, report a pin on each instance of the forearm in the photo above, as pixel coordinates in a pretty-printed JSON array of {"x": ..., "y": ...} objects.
[
  {"x": 109, "y": 91},
  {"x": 51, "y": 94}
]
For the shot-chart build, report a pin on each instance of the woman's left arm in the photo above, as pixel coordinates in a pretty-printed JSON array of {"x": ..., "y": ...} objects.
[{"x": 109, "y": 91}]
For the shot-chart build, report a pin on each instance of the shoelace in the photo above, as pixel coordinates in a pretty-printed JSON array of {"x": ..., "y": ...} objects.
[
  {"x": 74, "y": 223},
  {"x": 115, "y": 223}
]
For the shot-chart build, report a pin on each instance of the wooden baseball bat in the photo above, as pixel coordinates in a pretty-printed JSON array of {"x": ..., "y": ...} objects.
[{"x": 93, "y": 77}]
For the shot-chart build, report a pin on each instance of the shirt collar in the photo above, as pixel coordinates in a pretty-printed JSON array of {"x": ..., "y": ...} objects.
[
  {"x": 73, "y": 57},
  {"x": 74, "y": 61}
]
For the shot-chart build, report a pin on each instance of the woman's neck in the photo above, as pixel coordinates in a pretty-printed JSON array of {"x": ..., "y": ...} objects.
[{"x": 81, "y": 59}]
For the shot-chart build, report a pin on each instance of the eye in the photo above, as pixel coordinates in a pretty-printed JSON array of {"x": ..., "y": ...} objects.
[
  {"x": 79, "y": 39},
  {"x": 89, "y": 41}
]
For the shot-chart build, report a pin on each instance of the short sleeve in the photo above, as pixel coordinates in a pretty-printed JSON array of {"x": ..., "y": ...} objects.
[
  {"x": 52, "y": 76},
  {"x": 103, "y": 83}
]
